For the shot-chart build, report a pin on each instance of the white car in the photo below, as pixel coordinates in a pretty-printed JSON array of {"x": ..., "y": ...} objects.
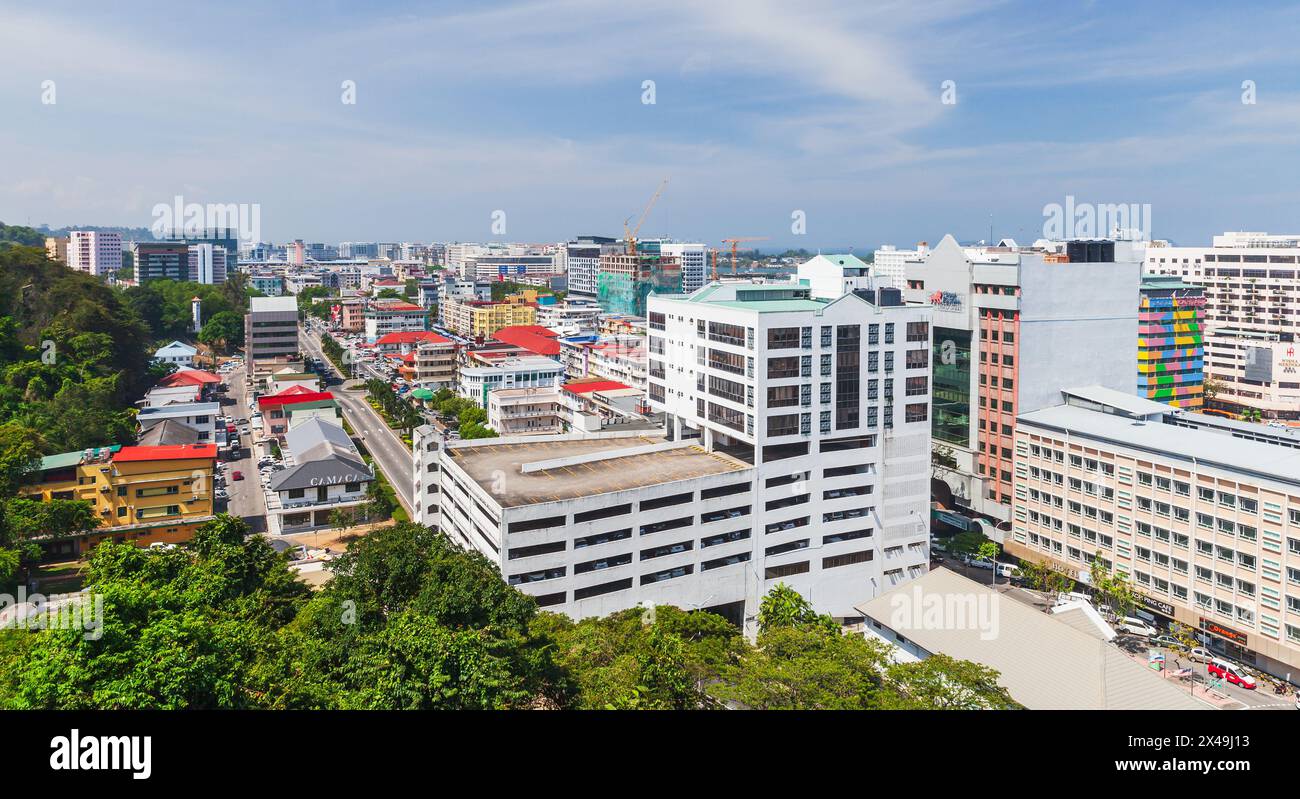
[
  {"x": 1136, "y": 626},
  {"x": 977, "y": 563}
]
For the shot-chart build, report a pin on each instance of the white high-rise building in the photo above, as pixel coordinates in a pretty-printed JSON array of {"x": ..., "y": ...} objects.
[
  {"x": 888, "y": 263},
  {"x": 694, "y": 261},
  {"x": 97, "y": 252},
  {"x": 207, "y": 264},
  {"x": 580, "y": 260}
]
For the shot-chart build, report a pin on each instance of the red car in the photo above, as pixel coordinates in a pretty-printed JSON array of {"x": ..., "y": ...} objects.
[
  {"x": 230, "y": 428},
  {"x": 236, "y": 475}
]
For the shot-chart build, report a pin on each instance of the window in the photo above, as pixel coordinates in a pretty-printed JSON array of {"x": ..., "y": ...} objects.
[
  {"x": 784, "y": 338},
  {"x": 782, "y": 367},
  {"x": 602, "y": 513},
  {"x": 782, "y": 396},
  {"x": 847, "y": 375}
]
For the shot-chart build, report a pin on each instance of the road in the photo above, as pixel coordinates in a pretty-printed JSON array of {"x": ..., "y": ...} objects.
[
  {"x": 387, "y": 449},
  {"x": 247, "y": 501}
]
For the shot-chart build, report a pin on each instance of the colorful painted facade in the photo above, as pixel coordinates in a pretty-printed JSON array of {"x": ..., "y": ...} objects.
[{"x": 1171, "y": 347}]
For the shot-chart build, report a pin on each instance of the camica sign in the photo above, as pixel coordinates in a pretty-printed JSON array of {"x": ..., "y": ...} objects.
[{"x": 946, "y": 300}]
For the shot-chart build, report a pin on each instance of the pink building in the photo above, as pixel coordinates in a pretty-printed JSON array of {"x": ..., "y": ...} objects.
[{"x": 96, "y": 252}]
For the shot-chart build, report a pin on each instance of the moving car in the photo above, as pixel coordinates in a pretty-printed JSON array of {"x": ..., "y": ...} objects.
[
  {"x": 1230, "y": 672},
  {"x": 977, "y": 563},
  {"x": 1166, "y": 641},
  {"x": 1009, "y": 571},
  {"x": 236, "y": 475}
]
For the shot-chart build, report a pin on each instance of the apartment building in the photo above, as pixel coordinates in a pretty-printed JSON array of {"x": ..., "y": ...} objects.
[
  {"x": 143, "y": 495},
  {"x": 200, "y": 416},
  {"x": 621, "y": 358},
  {"x": 472, "y": 318},
  {"x": 459, "y": 289},
  {"x": 393, "y": 316},
  {"x": 475, "y": 382},
  {"x": 1252, "y": 284},
  {"x": 1007, "y": 324},
  {"x": 1201, "y": 514},
  {"x": 889, "y": 264},
  {"x": 56, "y": 248},
  {"x": 95, "y": 252},
  {"x": 525, "y": 411},
  {"x": 570, "y": 316},
  {"x": 270, "y": 328},
  {"x": 1171, "y": 346}
]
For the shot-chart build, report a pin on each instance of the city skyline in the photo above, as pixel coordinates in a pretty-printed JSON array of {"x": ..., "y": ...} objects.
[{"x": 836, "y": 113}]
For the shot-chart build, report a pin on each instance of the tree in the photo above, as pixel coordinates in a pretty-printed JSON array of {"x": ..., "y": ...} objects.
[
  {"x": 222, "y": 331},
  {"x": 940, "y": 682},
  {"x": 783, "y": 606}
]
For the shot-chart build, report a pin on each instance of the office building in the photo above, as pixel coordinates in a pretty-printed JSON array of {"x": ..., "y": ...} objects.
[
  {"x": 161, "y": 260},
  {"x": 524, "y": 372},
  {"x": 393, "y": 316},
  {"x": 1201, "y": 514},
  {"x": 94, "y": 252},
  {"x": 207, "y": 263},
  {"x": 271, "y": 328},
  {"x": 1171, "y": 348},
  {"x": 1007, "y": 324},
  {"x": 580, "y": 260},
  {"x": 693, "y": 259}
]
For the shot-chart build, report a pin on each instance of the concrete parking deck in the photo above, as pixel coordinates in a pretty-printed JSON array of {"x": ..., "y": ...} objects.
[{"x": 498, "y": 468}]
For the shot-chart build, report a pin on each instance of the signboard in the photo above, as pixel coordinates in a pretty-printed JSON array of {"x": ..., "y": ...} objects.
[
  {"x": 952, "y": 519},
  {"x": 1227, "y": 633},
  {"x": 1163, "y": 608},
  {"x": 946, "y": 300}
]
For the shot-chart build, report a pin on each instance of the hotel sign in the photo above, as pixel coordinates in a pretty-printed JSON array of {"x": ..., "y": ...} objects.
[
  {"x": 1227, "y": 633},
  {"x": 946, "y": 300}
]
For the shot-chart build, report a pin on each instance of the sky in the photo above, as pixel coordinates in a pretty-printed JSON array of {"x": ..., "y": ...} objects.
[{"x": 764, "y": 111}]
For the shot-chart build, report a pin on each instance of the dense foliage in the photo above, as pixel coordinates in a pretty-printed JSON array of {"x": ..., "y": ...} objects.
[{"x": 411, "y": 621}]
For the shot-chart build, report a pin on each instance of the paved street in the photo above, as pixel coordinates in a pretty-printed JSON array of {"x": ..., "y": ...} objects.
[
  {"x": 247, "y": 500},
  {"x": 384, "y": 445}
]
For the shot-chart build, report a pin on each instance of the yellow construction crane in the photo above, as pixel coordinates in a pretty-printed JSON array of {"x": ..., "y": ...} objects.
[
  {"x": 629, "y": 234},
  {"x": 733, "y": 243}
]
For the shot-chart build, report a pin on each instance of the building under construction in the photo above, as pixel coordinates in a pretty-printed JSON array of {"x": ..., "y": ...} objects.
[{"x": 625, "y": 280}]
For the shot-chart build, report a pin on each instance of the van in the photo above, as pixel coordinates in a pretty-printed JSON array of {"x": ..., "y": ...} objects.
[
  {"x": 1072, "y": 596},
  {"x": 1230, "y": 672},
  {"x": 1009, "y": 571}
]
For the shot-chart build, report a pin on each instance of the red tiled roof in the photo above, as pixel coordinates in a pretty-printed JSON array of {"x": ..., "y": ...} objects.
[
  {"x": 578, "y": 387},
  {"x": 397, "y": 306},
  {"x": 196, "y": 377},
  {"x": 167, "y": 452},
  {"x": 536, "y": 330},
  {"x": 411, "y": 337},
  {"x": 291, "y": 397},
  {"x": 524, "y": 337}
]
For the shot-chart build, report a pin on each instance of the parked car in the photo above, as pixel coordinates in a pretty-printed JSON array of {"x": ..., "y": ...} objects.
[
  {"x": 236, "y": 475},
  {"x": 977, "y": 563},
  {"x": 1009, "y": 571},
  {"x": 1167, "y": 641},
  {"x": 1136, "y": 626},
  {"x": 1230, "y": 672},
  {"x": 1200, "y": 654}
]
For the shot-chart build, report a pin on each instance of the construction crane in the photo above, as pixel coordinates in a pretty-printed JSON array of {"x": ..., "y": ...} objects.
[
  {"x": 629, "y": 234},
  {"x": 733, "y": 243}
]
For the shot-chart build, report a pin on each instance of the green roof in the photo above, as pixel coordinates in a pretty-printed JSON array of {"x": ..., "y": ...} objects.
[
  {"x": 65, "y": 460},
  {"x": 422, "y": 394},
  {"x": 772, "y": 306}
]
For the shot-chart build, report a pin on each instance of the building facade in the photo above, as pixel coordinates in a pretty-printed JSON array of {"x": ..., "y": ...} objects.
[
  {"x": 1201, "y": 515},
  {"x": 1171, "y": 347},
  {"x": 271, "y": 328},
  {"x": 1007, "y": 323},
  {"x": 95, "y": 252}
]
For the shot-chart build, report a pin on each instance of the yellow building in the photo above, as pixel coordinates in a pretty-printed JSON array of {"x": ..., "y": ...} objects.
[
  {"x": 478, "y": 318},
  {"x": 145, "y": 495}
]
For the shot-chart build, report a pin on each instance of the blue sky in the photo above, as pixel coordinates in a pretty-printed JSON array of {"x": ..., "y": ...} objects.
[{"x": 762, "y": 108}]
